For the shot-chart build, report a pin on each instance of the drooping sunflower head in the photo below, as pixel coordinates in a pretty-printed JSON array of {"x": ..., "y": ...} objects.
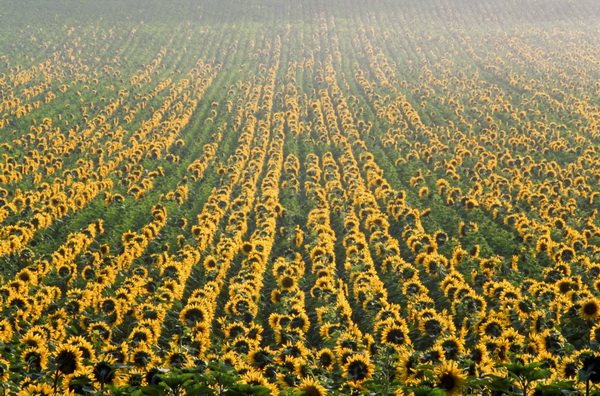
[{"x": 479, "y": 354}]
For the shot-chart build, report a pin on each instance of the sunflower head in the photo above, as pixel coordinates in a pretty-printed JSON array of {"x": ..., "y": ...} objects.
[
  {"x": 590, "y": 309},
  {"x": 104, "y": 371},
  {"x": 68, "y": 359},
  {"x": 286, "y": 282},
  {"x": 247, "y": 248},
  {"x": 358, "y": 368},
  {"x": 395, "y": 335},
  {"x": 450, "y": 379},
  {"x": 326, "y": 358},
  {"x": 260, "y": 357}
]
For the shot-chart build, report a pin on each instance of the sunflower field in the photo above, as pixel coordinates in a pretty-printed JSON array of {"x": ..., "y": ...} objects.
[{"x": 341, "y": 197}]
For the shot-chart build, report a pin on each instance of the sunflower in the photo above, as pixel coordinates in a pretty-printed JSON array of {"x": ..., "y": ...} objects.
[
  {"x": 358, "y": 368},
  {"x": 479, "y": 354},
  {"x": 514, "y": 339},
  {"x": 569, "y": 368},
  {"x": 260, "y": 357},
  {"x": 450, "y": 379},
  {"x": 35, "y": 359},
  {"x": 140, "y": 336},
  {"x": 548, "y": 361},
  {"x": 104, "y": 371},
  {"x": 552, "y": 341},
  {"x": 178, "y": 358},
  {"x": 492, "y": 327},
  {"x": 300, "y": 322},
  {"x": 99, "y": 329},
  {"x": 247, "y": 248},
  {"x": 396, "y": 335},
  {"x": 142, "y": 357},
  {"x": 501, "y": 350},
  {"x": 68, "y": 359},
  {"x": 413, "y": 288},
  {"x": 286, "y": 282},
  {"x": 524, "y": 308},
  {"x": 77, "y": 383},
  {"x": 210, "y": 263},
  {"x": 474, "y": 251},
  {"x": 293, "y": 349},
  {"x": 408, "y": 363},
  {"x": 310, "y": 387},
  {"x": 325, "y": 358},
  {"x": 590, "y": 309},
  {"x": 240, "y": 344},
  {"x": 452, "y": 346},
  {"x": 287, "y": 380},
  {"x": 193, "y": 314},
  {"x": 469, "y": 303},
  {"x": 433, "y": 325}
]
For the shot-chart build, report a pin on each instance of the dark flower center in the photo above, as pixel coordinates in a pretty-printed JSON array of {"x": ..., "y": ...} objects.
[
  {"x": 447, "y": 381},
  {"x": 66, "y": 362},
  {"x": 590, "y": 308}
]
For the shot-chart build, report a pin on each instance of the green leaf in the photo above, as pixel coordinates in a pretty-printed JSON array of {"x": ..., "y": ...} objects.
[
  {"x": 427, "y": 391},
  {"x": 556, "y": 388},
  {"x": 198, "y": 390},
  {"x": 153, "y": 390},
  {"x": 499, "y": 384},
  {"x": 530, "y": 372}
]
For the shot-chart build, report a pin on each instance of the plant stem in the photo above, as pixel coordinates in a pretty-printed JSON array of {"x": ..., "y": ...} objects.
[
  {"x": 55, "y": 386},
  {"x": 587, "y": 387}
]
